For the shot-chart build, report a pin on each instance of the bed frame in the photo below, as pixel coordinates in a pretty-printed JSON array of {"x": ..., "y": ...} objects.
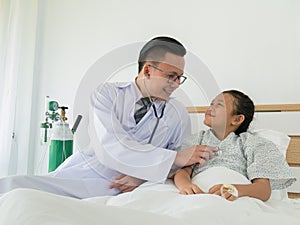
[{"x": 293, "y": 151}]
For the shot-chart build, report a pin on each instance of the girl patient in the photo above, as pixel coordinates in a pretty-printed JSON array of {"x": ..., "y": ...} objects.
[{"x": 258, "y": 159}]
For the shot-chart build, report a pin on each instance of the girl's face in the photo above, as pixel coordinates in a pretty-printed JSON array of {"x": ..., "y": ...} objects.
[{"x": 220, "y": 117}]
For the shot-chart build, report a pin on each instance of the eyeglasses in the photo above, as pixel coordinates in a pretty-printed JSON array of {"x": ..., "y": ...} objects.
[{"x": 171, "y": 77}]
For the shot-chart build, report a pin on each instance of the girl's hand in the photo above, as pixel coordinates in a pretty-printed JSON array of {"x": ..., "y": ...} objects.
[
  {"x": 216, "y": 189},
  {"x": 191, "y": 189}
]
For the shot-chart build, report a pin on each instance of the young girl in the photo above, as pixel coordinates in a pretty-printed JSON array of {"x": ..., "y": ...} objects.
[{"x": 258, "y": 159}]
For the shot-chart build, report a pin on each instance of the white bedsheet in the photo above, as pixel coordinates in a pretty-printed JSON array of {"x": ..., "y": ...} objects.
[
  {"x": 31, "y": 207},
  {"x": 150, "y": 204}
]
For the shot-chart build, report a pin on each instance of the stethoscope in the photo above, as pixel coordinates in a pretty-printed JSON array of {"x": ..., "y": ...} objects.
[
  {"x": 155, "y": 112},
  {"x": 157, "y": 120}
]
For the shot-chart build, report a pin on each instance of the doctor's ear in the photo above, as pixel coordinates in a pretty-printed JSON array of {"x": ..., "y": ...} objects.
[{"x": 146, "y": 71}]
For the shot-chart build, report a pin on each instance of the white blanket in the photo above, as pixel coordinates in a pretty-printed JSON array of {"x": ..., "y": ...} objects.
[{"x": 149, "y": 204}]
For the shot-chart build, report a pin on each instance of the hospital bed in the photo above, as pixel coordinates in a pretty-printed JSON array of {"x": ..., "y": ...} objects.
[{"x": 161, "y": 203}]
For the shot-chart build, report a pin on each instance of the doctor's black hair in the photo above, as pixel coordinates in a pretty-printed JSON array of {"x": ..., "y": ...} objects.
[
  {"x": 155, "y": 50},
  {"x": 242, "y": 105}
]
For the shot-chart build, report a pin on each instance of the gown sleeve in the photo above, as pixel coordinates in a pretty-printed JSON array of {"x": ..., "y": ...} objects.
[{"x": 264, "y": 160}]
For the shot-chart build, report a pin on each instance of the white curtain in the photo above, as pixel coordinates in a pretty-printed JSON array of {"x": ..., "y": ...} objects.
[{"x": 9, "y": 61}]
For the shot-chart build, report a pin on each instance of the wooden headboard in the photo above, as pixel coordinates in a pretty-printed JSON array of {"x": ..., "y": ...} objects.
[{"x": 293, "y": 151}]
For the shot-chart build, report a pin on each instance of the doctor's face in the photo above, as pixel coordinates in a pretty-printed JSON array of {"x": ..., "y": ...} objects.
[{"x": 165, "y": 77}]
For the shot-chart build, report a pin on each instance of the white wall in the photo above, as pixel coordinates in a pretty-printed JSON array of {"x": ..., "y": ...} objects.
[{"x": 251, "y": 45}]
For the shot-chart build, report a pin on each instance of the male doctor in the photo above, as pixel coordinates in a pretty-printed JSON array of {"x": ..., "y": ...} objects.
[{"x": 135, "y": 130}]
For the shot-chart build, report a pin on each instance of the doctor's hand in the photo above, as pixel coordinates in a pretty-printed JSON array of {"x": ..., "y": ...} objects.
[
  {"x": 197, "y": 154},
  {"x": 126, "y": 183}
]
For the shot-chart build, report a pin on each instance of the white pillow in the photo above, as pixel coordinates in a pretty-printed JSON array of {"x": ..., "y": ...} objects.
[
  {"x": 223, "y": 175},
  {"x": 218, "y": 175},
  {"x": 281, "y": 140}
]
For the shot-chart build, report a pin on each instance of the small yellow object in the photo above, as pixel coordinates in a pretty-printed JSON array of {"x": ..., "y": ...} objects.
[
  {"x": 230, "y": 189},
  {"x": 226, "y": 186}
]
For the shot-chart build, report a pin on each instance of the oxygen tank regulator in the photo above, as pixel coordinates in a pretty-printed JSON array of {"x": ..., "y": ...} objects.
[{"x": 61, "y": 140}]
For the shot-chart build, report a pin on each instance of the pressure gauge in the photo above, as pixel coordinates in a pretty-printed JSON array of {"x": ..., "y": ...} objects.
[{"x": 53, "y": 106}]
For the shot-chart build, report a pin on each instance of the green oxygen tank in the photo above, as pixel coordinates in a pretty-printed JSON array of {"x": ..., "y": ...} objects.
[{"x": 61, "y": 145}]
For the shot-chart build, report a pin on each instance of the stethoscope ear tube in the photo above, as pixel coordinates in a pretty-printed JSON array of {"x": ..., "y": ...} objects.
[
  {"x": 155, "y": 112},
  {"x": 157, "y": 120}
]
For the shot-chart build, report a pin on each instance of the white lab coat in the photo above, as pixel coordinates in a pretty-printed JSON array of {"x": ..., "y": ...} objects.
[{"x": 119, "y": 145}]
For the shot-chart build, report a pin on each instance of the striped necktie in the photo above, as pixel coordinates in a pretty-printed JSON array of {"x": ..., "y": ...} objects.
[{"x": 139, "y": 114}]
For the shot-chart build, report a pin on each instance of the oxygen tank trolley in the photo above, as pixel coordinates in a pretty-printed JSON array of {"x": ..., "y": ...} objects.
[{"x": 61, "y": 140}]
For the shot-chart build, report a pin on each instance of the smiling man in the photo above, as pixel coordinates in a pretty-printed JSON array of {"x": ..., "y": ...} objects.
[{"x": 135, "y": 130}]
